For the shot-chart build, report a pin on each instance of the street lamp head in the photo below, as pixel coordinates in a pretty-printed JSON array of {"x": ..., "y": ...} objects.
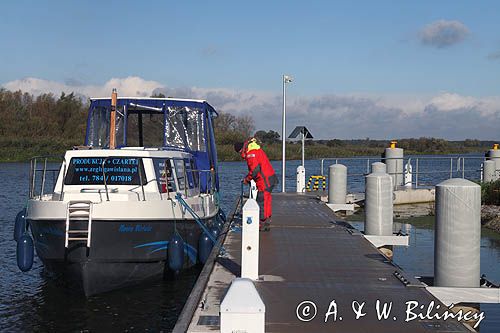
[{"x": 287, "y": 78}]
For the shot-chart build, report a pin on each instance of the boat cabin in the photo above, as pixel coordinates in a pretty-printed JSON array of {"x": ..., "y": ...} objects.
[{"x": 163, "y": 146}]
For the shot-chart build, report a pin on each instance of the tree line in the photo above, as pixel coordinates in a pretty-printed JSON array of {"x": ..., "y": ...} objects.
[{"x": 47, "y": 124}]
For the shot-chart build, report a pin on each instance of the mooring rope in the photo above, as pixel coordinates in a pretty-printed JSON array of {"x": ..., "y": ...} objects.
[{"x": 197, "y": 218}]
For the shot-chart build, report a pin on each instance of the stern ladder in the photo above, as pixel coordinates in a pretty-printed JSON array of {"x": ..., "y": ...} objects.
[{"x": 78, "y": 213}]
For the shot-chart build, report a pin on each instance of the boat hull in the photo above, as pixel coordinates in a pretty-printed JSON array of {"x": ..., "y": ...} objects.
[{"x": 121, "y": 253}]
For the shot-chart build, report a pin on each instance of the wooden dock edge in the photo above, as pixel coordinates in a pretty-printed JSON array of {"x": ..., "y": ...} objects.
[{"x": 189, "y": 309}]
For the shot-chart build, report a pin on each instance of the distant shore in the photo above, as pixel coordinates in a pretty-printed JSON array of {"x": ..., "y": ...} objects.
[{"x": 23, "y": 149}]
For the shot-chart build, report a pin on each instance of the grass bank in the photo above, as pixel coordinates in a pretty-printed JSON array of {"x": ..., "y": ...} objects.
[
  {"x": 22, "y": 149},
  {"x": 318, "y": 150}
]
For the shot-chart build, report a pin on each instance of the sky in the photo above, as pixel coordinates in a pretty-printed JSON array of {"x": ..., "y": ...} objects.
[{"x": 377, "y": 69}]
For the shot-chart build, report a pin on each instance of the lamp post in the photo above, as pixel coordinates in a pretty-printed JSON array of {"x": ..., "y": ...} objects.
[{"x": 286, "y": 79}]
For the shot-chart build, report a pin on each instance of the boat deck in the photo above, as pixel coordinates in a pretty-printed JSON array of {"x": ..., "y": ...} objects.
[{"x": 308, "y": 256}]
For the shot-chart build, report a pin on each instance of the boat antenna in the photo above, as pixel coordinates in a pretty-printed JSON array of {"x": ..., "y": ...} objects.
[{"x": 112, "y": 120}]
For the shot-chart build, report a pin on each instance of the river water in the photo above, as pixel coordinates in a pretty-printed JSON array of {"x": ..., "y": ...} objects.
[{"x": 33, "y": 301}]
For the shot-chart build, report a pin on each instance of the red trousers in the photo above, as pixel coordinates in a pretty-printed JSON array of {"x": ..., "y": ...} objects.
[{"x": 265, "y": 198}]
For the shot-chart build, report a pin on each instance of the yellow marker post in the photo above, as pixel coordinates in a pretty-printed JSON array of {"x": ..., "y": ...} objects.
[{"x": 393, "y": 144}]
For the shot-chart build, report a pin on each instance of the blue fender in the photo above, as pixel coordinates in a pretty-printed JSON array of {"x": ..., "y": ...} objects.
[
  {"x": 176, "y": 253},
  {"x": 222, "y": 215},
  {"x": 20, "y": 224},
  {"x": 215, "y": 230},
  {"x": 205, "y": 246},
  {"x": 25, "y": 252}
]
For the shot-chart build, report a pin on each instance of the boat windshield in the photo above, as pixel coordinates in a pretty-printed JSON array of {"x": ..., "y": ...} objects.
[
  {"x": 137, "y": 125},
  {"x": 185, "y": 128},
  {"x": 180, "y": 124}
]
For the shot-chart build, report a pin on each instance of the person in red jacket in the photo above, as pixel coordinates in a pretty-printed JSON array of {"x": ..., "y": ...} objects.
[{"x": 262, "y": 172}]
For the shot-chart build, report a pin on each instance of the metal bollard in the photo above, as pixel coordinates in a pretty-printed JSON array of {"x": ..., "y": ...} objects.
[
  {"x": 378, "y": 204},
  {"x": 250, "y": 240},
  {"x": 457, "y": 234},
  {"x": 337, "y": 184}
]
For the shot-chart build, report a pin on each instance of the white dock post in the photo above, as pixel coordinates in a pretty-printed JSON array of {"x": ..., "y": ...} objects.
[
  {"x": 394, "y": 161},
  {"x": 337, "y": 189},
  {"x": 457, "y": 234},
  {"x": 242, "y": 309},
  {"x": 250, "y": 240},
  {"x": 489, "y": 171},
  {"x": 457, "y": 244},
  {"x": 378, "y": 205},
  {"x": 301, "y": 179},
  {"x": 337, "y": 184},
  {"x": 494, "y": 155},
  {"x": 379, "y": 167},
  {"x": 379, "y": 212}
]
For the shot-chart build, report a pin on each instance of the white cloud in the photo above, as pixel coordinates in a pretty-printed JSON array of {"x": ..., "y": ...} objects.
[
  {"x": 451, "y": 101},
  {"x": 443, "y": 33},
  {"x": 446, "y": 115},
  {"x": 129, "y": 86}
]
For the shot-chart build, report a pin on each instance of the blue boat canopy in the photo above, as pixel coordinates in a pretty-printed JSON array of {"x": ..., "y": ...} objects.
[{"x": 165, "y": 123}]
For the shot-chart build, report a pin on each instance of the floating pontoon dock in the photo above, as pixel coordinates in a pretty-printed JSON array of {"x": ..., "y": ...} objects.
[{"x": 308, "y": 256}]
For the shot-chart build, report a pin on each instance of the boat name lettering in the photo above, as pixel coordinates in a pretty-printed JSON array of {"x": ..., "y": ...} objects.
[
  {"x": 136, "y": 228},
  {"x": 50, "y": 230}
]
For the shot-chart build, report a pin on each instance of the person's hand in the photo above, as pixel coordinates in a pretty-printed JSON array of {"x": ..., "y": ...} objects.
[{"x": 245, "y": 181}]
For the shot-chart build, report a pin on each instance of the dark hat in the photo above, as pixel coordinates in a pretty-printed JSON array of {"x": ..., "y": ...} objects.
[{"x": 238, "y": 146}]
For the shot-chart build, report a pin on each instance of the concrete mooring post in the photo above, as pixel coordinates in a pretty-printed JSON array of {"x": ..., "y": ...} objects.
[
  {"x": 379, "y": 167},
  {"x": 489, "y": 171},
  {"x": 394, "y": 161},
  {"x": 337, "y": 184},
  {"x": 494, "y": 155},
  {"x": 378, "y": 204},
  {"x": 457, "y": 234}
]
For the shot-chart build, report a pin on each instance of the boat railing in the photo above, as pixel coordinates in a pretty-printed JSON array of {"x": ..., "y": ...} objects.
[
  {"x": 140, "y": 171},
  {"x": 195, "y": 174},
  {"x": 43, "y": 166},
  {"x": 425, "y": 171},
  {"x": 208, "y": 188},
  {"x": 209, "y": 181},
  {"x": 37, "y": 184}
]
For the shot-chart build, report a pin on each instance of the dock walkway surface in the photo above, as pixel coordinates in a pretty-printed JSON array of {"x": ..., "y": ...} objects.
[{"x": 308, "y": 256}]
